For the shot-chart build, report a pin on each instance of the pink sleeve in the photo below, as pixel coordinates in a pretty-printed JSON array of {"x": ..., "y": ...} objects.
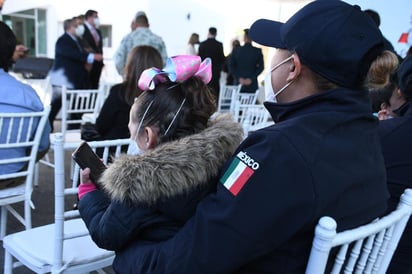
[{"x": 85, "y": 188}]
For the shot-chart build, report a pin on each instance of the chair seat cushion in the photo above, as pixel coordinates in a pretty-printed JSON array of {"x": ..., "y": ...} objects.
[
  {"x": 13, "y": 191},
  {"x": 36, "y": 245}
]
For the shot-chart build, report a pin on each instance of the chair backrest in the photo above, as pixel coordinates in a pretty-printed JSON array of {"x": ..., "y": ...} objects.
[
  {"x": 246, "y": 98},
  {"x": 19, "y": 131},
  {"x": 250, "y": 115},
  {"x": 227, "y": 97},
  {"x": 63, "y": 190},
  {"x": 370, "y": 246},
  {"x": 76, "y": 102}
]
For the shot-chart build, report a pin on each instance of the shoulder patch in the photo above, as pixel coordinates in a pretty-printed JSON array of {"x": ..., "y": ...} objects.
[{"x": 239, "y": 172}]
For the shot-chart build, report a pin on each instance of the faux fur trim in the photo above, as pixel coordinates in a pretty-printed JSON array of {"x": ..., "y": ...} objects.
[{"x": 174, "y": 167}]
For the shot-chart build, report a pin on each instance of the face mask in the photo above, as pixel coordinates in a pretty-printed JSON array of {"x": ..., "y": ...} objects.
[
  {"x": 96, "y": 23},
  {"x": 134, "y": 148},
  {"x": 80, "y": 30},
  {"x": 270, "y": 95}
]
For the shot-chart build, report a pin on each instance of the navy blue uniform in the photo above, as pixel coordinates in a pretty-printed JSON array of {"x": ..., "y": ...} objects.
[
  {"x": 322, "y": 157},
  {"x": 397, "y": 150}
]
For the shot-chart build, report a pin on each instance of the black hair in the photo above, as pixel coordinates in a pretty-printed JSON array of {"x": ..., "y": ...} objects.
[
  {"x": 213, "y": 31},
  {"x": 193, "y": 96},
  {"x": 7, "y": 46},
  {"x": 90, "y": 13}
]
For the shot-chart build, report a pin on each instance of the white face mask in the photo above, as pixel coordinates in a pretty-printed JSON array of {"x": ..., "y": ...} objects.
[
  {"x": 80, "y": 30},
  {"x": 96, "y": 22},
  {"x": 270, "y": 94},
  {"x": 134, "y": 148}
]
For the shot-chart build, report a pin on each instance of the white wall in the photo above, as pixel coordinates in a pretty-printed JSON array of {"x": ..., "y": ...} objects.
[{"x": 167, "y": 18}]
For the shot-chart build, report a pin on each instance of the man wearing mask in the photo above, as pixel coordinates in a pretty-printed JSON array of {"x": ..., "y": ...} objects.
[
  {"x": 69, "y": 65},
  {"x": 93, "y": 39}
]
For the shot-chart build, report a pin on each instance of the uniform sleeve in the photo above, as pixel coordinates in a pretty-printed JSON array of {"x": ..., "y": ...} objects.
[
  {"x": 265, "y": 185},
  {"x": 120, "y": 56}
]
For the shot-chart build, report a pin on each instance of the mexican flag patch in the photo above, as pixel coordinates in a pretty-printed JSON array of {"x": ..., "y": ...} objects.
[{"x": 239, "y": 172}]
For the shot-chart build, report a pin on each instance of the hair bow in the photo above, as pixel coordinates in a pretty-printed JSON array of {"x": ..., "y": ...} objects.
[{"x": 178, "y": 69}]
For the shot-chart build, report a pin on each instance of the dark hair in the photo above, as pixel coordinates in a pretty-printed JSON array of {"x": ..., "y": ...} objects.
[
  {"x": 90, "y": 13},
  {"x": 213, "y": 31},
  {"x": 382, "y": 95},
  {"x": 142, "y": 20},
  {"x": 381, "y": 79},
  {"x": 7, "y": 46},
  {"x": 165, "y": 101},
  {"x": 194, "y": 38},
  {"x": 139, "y": 59}
]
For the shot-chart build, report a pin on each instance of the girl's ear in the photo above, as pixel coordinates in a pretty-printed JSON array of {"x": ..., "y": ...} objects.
[{"x": 151, "y": 137}]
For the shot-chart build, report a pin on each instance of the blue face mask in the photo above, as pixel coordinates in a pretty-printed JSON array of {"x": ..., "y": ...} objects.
[{"x": 134, "y": 148}]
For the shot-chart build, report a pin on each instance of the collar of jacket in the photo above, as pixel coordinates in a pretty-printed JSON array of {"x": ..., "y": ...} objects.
[
  {"x": 336, "y": 100},
  {"x": 175, "y": 167},
  {"x": 404, "y": 110}
]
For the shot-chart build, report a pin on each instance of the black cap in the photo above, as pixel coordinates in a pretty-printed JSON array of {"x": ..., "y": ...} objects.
[{"x": 331, "y": 37}]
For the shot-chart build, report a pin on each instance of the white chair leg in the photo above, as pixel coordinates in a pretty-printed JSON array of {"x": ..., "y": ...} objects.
[
  {"x": 8, "y": 263},
  {"x": 3, "y": 222},
  {"x": 36, "y": 175},
  {"x": 27, "y": 215}
]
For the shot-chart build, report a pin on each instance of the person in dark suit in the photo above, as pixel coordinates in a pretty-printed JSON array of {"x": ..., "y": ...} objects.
[
  {"x": 93, "y": 38},
  {"x": 213, "y": 49},
  {"x": 246, "y": 63},
  {"x": 69, "y": 65}
]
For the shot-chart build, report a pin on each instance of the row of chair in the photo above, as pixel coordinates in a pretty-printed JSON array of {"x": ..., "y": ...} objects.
[
  {"x": 65, "y": 245},
  {"x": 244, "y": 108},
  {"x": 365, "y": 249}
]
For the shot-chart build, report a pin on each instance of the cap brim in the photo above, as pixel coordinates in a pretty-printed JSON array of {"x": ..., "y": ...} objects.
[{"x": 267, "y": 33}]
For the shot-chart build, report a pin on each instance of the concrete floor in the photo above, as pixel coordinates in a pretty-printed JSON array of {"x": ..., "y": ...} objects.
[{"x": 43, "y": 199}]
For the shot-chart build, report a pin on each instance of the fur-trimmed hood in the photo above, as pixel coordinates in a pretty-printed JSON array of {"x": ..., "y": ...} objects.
[{"x": 175, "y": 167}]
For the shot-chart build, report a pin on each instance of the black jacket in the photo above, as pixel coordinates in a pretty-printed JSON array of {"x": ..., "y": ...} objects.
[
  {"x": 397, "y": 151},
  {"x": 114, "y": 116},
  {"x": 152, "y": 195},
  {"x": 322, "y": 157},
  {"x": 97, "y": 66},
  {"x": 69, "y": 64},
  {"x": 214, "y": 50},
  {"x": 247, "y": 62}
]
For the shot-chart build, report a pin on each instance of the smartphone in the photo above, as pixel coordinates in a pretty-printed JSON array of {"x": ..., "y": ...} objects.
[{"x": 86, "y": 157}]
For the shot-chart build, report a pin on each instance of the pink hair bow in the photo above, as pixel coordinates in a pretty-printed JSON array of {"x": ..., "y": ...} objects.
[{"x": 178, "y": 69}]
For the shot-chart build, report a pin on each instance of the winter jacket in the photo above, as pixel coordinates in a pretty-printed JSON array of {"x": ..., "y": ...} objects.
[
  {"x": 322, "y": 157},
  {"x": 148, "y": 197},
  {"x": 397, "y": 150}
]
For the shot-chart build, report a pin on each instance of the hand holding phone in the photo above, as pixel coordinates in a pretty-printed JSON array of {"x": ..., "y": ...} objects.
[{"x": 86, "y": 157}]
